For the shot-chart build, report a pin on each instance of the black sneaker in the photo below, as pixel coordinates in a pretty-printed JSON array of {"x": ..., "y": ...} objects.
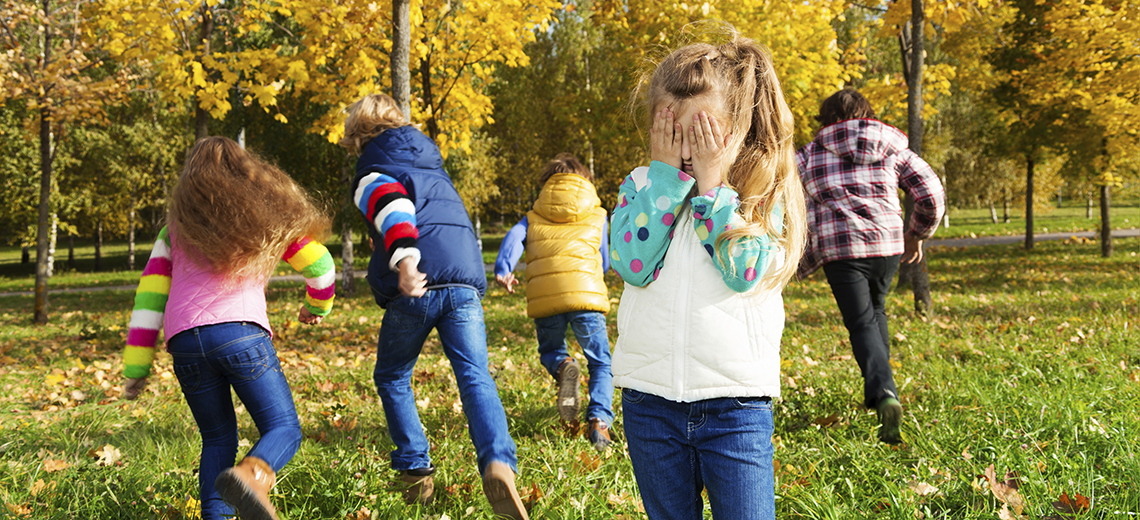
[
  {"x": 568, "y": 374},
  {"x": 890, "y": 420}
]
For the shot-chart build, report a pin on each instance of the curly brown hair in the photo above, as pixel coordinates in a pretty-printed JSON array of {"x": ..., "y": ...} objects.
[
  {"x": 239, "y": 212},
  {"x": 740, "y": 76}
]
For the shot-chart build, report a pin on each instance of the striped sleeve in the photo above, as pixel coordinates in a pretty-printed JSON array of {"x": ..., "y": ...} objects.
[
  {"x": 150, "y": 305},
  {"x": 314, "y": 262},
  {"x": 385, "y": 203}
]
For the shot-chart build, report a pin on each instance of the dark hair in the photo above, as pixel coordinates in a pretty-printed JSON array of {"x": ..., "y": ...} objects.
[
  {"x": 564, "y": 163},
  {"x": 843, "y": 105}
]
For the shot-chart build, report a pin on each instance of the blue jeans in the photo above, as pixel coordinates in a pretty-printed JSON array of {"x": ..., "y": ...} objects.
[
  {"x": 208, "y": 360},
  {"x": 590, "y": 329},
  {"x": 723, "y": 445},
  {"x": 457, "y": 314},
  {"x": 860, "y": 286}
]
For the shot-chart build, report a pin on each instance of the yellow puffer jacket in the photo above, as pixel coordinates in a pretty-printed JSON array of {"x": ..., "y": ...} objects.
[{"x": 563, "y": 263}]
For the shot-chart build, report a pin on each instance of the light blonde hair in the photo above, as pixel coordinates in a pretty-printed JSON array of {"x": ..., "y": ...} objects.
[
  {"x": 238, "y": 212},
  {"x": 368, "y": 117},
  {"x": 738, "y": 75},
  {"x": 564, "y": 162}
]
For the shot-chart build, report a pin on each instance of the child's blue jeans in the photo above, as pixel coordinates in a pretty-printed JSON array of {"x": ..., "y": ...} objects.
[
  {"x": 723, "y": 445},
  {"x": 457, "y": 314},
  {"x": 590, "y": 329},
  {"x": 208, "y": 360}
]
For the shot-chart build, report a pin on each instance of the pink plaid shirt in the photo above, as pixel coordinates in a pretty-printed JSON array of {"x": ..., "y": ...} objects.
[{"x": 851, "y": 174}]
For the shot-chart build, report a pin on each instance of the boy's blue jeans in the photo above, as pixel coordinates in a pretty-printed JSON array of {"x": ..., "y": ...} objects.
[
  {"x": 723, "y": 445},
  {"x": 590, "y": 329},
  {"x": 208, "y": 360},
  {"x": 457, "y": 314}
]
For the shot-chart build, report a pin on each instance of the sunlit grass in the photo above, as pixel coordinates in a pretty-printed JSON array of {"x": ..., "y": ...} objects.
[{"x": 1029, "y": 365}]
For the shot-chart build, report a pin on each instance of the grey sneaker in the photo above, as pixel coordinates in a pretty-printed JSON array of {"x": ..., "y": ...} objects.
[{"x": 568, "y": 374}]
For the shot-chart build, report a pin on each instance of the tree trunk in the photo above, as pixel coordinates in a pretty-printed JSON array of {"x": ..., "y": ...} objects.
[
  {"x": 40, "y": 307},
  {"x": 205, "y": 31},
  {"x": 131, "y": 234},
  {"x": 946, "y": 200},
  {"x": 25, "y": 255},
  {"x": 993, "y": 212},
  {"x": 916, "y": 272},
  {"x": 1105, "y": 221},
  {"x": 401, "y": 45},
  {"x": 425, "y": 81},
  {"x": 347, "y": 271},
  {"x": 98, "y": 245},
  {"x": 52, "y": 234},
  {"x": 1029, "y": 202},
  {"x": 1005, "y": 206},
  {"x": 1088, "y": 206},
  {"x": 70, "y": 251}
]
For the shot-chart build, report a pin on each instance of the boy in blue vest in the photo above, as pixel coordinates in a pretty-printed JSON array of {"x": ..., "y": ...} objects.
[
  {"x": 427, "y": 272},
  {"x": 566, "y": 255}
]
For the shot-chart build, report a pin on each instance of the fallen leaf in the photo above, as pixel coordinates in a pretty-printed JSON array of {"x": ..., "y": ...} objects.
[
  {"x": 106, "y": 455},
  {"x": 825, "y": 422},
  {"x": 533, "y": 495},
  {"x": 363, "y": 514},
  {"x": 19, "y": 510},
  {"x": 40, "y": 486},
  {"x": 588, "y": 462},
  {"x": 966, "y": 453},
  {"x": 1072, "y": 505},
  {"x": 53, "y": 465},
  {"x": 1005, "y": 491},
  {"x": 922, "y": 488}
]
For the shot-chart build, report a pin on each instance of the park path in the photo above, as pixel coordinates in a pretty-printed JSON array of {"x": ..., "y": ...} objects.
[{"x": 946, "y": 242}]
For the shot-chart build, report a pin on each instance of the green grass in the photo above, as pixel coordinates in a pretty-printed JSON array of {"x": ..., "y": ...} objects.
[
  {"x": 1070, "y": 217},
  {"x": 1029, "y": 365}
]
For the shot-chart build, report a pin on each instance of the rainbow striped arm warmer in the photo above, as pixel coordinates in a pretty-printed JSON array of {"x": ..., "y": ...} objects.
[
  {"x": 385, "y": 203},
  {"x": 150, "y": 305},
  {"x": 314, "y": 262}
]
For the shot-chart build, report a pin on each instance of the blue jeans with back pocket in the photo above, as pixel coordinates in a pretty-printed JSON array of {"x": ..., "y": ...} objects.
[{"x": 208, "y": 361}]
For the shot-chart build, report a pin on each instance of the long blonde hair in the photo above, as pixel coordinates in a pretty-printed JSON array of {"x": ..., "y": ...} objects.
[
  {"x": 368, "y": 117},
  {"x": 238, "y": 212},
  {"x": 740, "y": 74}
]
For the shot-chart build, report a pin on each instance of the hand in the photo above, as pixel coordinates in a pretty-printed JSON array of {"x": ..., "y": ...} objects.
[
  {"x": 308, "y": 318},
  {"x": 710, "y": 151},
  {"x": 132, "y": 387},
  {"x": 665, "y": 139},
  {"x": 412, "y": 282},
  {"x": 912, "y": 250},
  {"x": 508, "y": 281}
]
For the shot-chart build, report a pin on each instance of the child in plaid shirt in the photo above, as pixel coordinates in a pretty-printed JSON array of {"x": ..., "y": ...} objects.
[{"x": 851, "y": 172}]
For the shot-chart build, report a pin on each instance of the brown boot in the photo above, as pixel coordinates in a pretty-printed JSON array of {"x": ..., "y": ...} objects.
[
  {"x": 419, "y": 486},
  {"x": 499, "y": 487},
  {"x": 246, "y": 488}
]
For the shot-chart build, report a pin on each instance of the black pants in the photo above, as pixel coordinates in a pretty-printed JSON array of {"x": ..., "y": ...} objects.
[{"x": 860, "y": 287}]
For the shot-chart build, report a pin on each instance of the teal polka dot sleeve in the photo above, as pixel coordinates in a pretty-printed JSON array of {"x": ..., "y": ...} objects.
[
  {"x": 649, "y": 201},
  {"x": 744, "y": 262}
]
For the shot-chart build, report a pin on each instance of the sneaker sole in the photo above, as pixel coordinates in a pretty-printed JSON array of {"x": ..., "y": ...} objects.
[
  {"x": 568, "y": 393},
  {"x": 505, "y": 501},
  {"x": 236, "y": 494}
]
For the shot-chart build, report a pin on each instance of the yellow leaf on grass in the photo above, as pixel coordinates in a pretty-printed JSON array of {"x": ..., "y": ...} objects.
[
  {"x": 40, "y": 486},
  {"x": 53, "y": 465},
  {"x": 55, "y": 379}
]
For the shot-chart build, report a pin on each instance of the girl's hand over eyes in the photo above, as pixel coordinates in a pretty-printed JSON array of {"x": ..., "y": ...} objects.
[
  {"x": 665, "y": 139},
  {"x": 710, "y": 151}
]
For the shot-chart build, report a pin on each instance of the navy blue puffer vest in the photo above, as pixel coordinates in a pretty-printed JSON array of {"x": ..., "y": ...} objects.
[{"x": 449, "y": 250}]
